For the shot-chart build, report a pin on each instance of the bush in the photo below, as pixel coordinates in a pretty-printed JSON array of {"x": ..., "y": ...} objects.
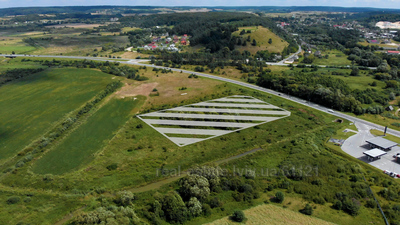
[
  {"x": 279, "y": 197},
  {"x": 13, "y": 200},
  {"x": 238, "y": 216},
  {"x": 113, "y": 166},
  {"x": 308, "y": 210},
  {"x": 337, "y": 205},
  {"x": 371, "y": 204}
]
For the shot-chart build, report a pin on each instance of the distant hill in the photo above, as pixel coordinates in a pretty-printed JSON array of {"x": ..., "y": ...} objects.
[{"x": 155, "y": 9}]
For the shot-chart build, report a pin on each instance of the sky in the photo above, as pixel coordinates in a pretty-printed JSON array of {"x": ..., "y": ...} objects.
[{"x": 343, "y": 3}]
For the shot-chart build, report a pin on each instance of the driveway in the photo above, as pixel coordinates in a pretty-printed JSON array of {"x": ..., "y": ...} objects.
[{"x": 356, "y": 145}]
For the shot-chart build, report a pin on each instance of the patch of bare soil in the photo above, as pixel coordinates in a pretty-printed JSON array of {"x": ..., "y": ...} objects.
[{"x": 129, "y": 91}]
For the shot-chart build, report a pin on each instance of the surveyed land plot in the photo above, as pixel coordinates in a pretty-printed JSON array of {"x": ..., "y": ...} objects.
[{"x": 197, "y": 122}]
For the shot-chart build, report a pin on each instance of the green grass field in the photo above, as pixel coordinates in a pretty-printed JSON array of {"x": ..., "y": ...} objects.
[
  {"x": 30, "y": 106},
  {"x": 78, "y": 148},
  {"x": 261, "y": 35},
  {"x": 335, "y": 58},
  {"x": 7, "y": 46}
]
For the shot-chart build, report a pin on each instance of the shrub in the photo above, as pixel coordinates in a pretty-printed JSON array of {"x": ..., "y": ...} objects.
[
  {"x": 238, "y": 216},
  {"x": 13, "y": 200},
  {"x": 371, "y": 204},
  {"x": 337, "y": 205},
  {"x": 308, "y": 210},
  {"x": 279, "y": 197},
  {"x": 113, "y": 166},
  {"x": 124, "y": 198}
]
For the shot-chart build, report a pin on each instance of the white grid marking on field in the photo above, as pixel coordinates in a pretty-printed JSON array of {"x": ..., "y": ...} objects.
[
  {"x": 233, "y": 105},
  {"x": 207, "y": 116},
  {"x": 193, "y": 128},
  {"x": 233, "y": 111},
  {"x": 237, "y": 100}
]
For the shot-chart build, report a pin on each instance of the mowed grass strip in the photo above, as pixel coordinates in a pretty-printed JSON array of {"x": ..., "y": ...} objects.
[
  {"x": 30, "y": 106},
  {"x": 78, "y": 148},
  {"x": 271, "y": 214}
]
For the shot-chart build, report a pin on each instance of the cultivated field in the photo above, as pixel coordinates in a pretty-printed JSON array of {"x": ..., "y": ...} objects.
[
  {"x": 81, "y": 145},
  {"x": 30, "y": 106},
  {"x": 261, "y": 35},
  {"x": 272, "y": 215}
]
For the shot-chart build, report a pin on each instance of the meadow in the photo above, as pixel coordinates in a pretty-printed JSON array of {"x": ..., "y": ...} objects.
[
  {"x": 335, "y": 58},
  {"x": 32, "y": 105}
]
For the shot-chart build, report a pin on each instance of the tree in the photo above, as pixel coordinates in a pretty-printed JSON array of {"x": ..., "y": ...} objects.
[
  {"x": 307, "y": 210},
  {"x": 174, "y": 208},
  {"x": 279, "y": 197},
  {"x": 194, "y": 186},
  {"x": 270, "y": 41},
  {"x": 13, "y": 52},
  {"x": 194, "y": 207},
  {"x": 238, "y": 216},
  {"x": 242, "y": 32},
  {"x": 254, "y": 42},
  {"x": 355, "y": 71}
]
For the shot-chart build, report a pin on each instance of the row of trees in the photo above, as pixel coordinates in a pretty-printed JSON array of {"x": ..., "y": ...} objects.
[
  {"x": 326, "y": 90},
  {"x": 15, "y": 74}
]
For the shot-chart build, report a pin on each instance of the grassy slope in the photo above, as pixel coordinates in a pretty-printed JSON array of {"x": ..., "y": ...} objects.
[
  {"x": 37, "y": 209},
  {"x": 30, "y": 106},
  {"x": 79, "y": 147},
  {"x": 261, "y": 35}
]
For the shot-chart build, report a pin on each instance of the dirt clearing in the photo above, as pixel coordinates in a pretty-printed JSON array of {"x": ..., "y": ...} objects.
[{"x": 129, "y": 91}]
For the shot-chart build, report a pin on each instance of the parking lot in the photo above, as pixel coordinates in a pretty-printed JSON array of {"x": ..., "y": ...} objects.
[{"x": 356, "y": 145}]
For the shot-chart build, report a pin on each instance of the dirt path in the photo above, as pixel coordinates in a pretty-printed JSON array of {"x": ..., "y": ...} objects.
[{"x": 397, "y": 112}]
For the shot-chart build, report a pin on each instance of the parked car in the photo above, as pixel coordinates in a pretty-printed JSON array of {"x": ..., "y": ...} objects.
[
  {"x": 386, "y": 172},
  {"x": 393, "y": 174},
  {"x": 396, "y": 155}
]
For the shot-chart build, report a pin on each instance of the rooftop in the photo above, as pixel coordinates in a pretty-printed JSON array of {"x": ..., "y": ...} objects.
[
  {"x": 375, "y": 153},
  {"x": 382, "y": 142}
]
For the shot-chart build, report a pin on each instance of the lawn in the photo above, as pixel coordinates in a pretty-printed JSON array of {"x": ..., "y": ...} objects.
[
  {"x": 387, "y": 136},
  {"x": 31, "y": 106},
  {"x": 78, "y": 148},
  {"x": 261, "y": 35}
]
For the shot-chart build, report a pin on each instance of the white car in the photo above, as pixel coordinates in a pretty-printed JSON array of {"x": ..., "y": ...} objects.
[
  {"x": 330, "y": 110},
  {"x": 396, "y": 155}
]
